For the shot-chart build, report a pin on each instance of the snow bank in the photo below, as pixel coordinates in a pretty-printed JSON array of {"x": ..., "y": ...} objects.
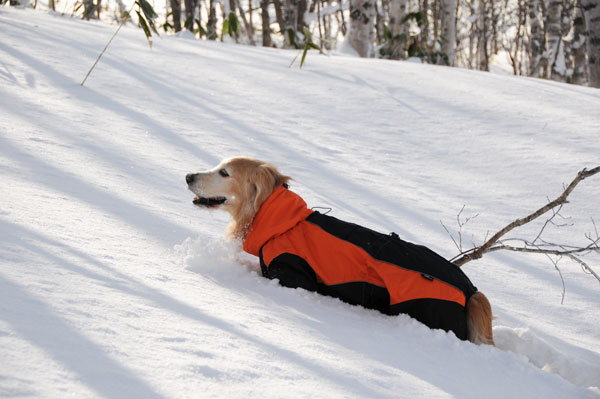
[
  {"x": 216, "y": 257},
  {"x": 579, "y": 371}
]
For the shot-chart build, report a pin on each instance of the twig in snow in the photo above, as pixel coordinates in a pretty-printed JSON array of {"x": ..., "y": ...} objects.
[
  {"x": 554, "y": 252},
  {"x": 477, "y": 252}
]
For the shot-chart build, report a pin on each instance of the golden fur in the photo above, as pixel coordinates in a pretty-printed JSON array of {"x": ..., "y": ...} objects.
[
  {"x": 240, "y": 185},
  {"x": 479, "y": 320},
  {"x": 248, "y": 185}
]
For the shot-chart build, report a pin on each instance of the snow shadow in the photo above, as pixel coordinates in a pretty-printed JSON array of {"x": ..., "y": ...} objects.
[
  {"x": 38, "y": 244},
  {"x": 236, "y": 129},
  {"x": 257, "y": 142},
  {"x": 547, "y": 276},
  {"x": 70, "y": 137},
  {"x": 50, "y": 176},
  {"x": 81, "y": 356},
  {"x": 96, "y": 99},
  {"x": 85, "y": 358}
]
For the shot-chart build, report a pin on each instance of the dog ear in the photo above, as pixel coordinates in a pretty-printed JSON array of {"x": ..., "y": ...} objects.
[{"x": 266, "y": 178}]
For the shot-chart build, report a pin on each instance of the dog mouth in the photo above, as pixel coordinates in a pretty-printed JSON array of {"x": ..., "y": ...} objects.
[{"x": 209, "y": 202}]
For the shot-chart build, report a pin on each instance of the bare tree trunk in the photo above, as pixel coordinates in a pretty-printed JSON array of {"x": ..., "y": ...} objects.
[
  {"x": 448, "y": 19},
  {"x": 190, "y": 13},
  {"x": 302, "y": 7},
  {"x": 579, "y": 47},
  {"x": 591, "y": 10},
  {"x": 494, "y": 20},
  {"x": 515, "y": 55},
  {"x": 289, "y": 9},
  {"x": 482, "y": 51},
  {"x": 523, "y": 55},
  {"x": 436, "y": 13},
  {"x": 176, "y": 8},
  {"x": 379, "y": 25},
  {"x": 51, "y": 5},
  {"x": 425, "y": 29},
  {"x": 279, "y": 15},
  {"x": 327, "y": 38},
  {"x": 317, "y": 4},
  {"x": 250, "y": 14},
  {"x": 211, "y": 26},
  {"x": 362, "y": 34},
  {"x": 398, "y": 10},
  {"x": 247, "y": 27},
  {"x": 266, "y": 23},
  {"x": 343, "y": 27},
  {"x": 89, "y": 9},
  {"x": 555, "y": 65},
  {"x": 536, "y": 39},
  {"x": 472, "y": 36}
]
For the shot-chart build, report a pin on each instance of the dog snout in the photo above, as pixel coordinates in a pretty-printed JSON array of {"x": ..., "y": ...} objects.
[{"x": 190, "y": 178}]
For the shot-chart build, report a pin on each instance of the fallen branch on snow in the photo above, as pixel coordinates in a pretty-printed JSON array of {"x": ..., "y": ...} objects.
[{"x": 538, "y": 245}]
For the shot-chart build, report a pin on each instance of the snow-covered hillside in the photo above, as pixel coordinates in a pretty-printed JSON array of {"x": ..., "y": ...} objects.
[{"x": 113, "y": 285}]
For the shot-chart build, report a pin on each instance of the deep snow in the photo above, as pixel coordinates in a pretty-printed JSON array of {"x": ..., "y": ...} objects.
[{"x": 113, "y": 285}]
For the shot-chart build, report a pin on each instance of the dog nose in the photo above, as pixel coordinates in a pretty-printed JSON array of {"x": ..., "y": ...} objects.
[{"x": 189, "y": 178}]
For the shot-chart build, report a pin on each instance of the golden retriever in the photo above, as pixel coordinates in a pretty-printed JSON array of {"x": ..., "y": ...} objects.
[{"x": 241, "y": 185}]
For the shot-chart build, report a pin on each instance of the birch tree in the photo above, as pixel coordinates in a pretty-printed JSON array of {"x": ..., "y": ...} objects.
[
  {"x": 91, "y": 10},
  {"x": 591, "y": 11},
  {"x": 557, "y": 39},
  {"x": 361, "y": 35},
  {"x": 448, "y": 22},
  {"x": 211, "y": 25},
  {"x": 191, "y": 8},
  {"x": 176, "y": 9},
  {"x": 536, "y": 43},
  {"x": 266, "y": 23},
  {"x": 289, "y": 11},
  {"x": 247, "y": 27},
  {"x": 553, "y": 39},
  {"x": 482, "y": 39},
  {"x": 579, "y": 47},
  {"x": 397, "y": 26}
]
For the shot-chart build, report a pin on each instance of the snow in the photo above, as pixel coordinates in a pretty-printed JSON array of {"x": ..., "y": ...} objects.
[
  {"x": 500, "y": 63},
  {"x": 113, "y": 285}
]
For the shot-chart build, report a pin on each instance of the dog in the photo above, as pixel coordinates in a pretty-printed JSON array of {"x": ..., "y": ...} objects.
[{"x": 305, "y": 249}]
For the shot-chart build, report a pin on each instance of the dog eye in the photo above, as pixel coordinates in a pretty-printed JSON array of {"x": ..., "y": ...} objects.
[{"x": 223, "y": 173}]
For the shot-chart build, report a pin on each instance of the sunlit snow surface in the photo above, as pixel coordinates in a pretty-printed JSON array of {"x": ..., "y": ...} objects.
[{"x": 113, "y": 285}]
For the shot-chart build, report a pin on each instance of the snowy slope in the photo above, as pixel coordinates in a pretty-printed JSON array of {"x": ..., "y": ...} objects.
[{"x": 112, "y": 285}]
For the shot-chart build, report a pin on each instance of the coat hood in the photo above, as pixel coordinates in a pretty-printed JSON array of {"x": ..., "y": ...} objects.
[{"x": 280, "y": 212}]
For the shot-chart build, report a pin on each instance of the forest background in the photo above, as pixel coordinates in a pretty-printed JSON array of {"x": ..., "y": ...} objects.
[{"x": 550, "y": 39}]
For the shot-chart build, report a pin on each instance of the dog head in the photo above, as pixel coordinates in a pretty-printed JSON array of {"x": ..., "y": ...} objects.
[{"x": 237, "y": 185}]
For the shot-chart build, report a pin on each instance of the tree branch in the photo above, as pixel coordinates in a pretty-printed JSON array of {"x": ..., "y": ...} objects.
[
  {"x": 477, "y": 252},
  {"x": 585, "y": 266},
  {"x": 537, "y": 250}
]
